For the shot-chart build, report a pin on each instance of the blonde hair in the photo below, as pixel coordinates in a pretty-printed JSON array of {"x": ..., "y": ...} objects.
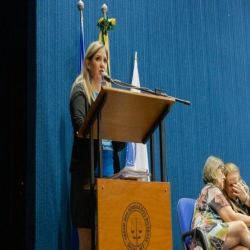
[
  {"x": 83, "y": 78},
  {"x": 230, "y": 168},
  {"x": 210, "y": 169}
]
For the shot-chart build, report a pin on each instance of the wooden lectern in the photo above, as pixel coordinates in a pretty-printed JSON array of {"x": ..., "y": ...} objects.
[{"x": 131, "y": 214}]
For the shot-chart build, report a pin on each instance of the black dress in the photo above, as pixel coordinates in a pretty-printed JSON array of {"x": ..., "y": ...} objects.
[{"x": 80, "y": 160}]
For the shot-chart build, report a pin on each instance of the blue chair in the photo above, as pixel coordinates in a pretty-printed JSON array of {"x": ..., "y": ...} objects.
[
  {"x": 75, "y": 239},
  {"x": 185, "y": 210}
]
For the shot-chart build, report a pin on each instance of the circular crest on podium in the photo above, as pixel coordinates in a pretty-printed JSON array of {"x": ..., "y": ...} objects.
[{"x": 136, "y": 227}]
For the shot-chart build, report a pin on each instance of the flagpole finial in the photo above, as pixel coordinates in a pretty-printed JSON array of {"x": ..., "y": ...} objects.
[
  {"x": 136, "y": 55},
  {"x": 104, "y": 10},
  {"x": 80, "y": 5}
]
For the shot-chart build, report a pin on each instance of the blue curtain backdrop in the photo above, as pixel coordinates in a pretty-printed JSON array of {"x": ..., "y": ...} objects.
[{"x": 194, "y": 50}]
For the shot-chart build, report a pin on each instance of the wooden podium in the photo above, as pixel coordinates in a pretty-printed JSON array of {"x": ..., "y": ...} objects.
[{"x": 131, "y": 214}]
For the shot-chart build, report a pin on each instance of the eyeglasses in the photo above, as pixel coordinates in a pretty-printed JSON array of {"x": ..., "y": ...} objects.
[{"x": 222, "y": 168}]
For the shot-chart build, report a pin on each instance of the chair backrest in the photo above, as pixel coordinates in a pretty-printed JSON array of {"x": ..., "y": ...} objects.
[
  {"x": 185, "y": 210},
  {"x": 75, "y": 239}
]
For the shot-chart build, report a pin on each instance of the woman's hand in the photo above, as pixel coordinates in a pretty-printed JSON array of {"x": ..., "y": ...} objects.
[{"x": 240, "y": 192}]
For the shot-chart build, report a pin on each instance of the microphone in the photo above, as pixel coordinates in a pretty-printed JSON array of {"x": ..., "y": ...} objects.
[{"x": 106, "y": 77}]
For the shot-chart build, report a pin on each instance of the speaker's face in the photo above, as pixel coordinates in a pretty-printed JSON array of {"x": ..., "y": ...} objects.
[{"x": 98, "y": 65}]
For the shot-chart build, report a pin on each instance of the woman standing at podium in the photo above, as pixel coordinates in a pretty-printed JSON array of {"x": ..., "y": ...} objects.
[{"x": 83, "y": 94}]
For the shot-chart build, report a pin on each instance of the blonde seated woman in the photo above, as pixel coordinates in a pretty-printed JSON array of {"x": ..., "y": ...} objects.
[
  {"x": 224, "y": 228},
  {"x": 235, "y": 190}
]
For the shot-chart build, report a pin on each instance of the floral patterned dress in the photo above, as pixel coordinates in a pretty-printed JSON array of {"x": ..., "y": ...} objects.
[{"x": 206, "y": 216}]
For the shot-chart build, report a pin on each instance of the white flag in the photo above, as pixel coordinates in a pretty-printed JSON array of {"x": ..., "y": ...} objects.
[{"x": 136, "y": 153}]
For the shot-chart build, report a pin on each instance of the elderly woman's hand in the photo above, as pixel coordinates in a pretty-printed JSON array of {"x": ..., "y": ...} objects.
[{"x": 240, "y": 192}]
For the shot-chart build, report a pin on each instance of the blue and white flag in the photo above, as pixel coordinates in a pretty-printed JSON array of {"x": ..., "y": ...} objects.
[
  {"x": 75, "y": 237},
  {"x": 82, "y": 49},
  {"x": 136, "y": 153}
]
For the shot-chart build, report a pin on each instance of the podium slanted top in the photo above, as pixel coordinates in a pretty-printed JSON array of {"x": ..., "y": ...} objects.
[{"x": 126, "y": 116}]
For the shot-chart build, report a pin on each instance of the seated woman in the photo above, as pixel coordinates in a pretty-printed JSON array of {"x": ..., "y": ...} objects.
[
  {"x": 224, "y": 228},
  {"x": 235, "y": 190}
]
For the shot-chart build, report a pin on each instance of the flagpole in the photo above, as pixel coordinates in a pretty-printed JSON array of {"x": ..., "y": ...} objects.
[
  {"x": 104, "y": 10},
  {"x": 80, "y": 7},
  {"x": 105, "y": 41},
  {"x": 136, "y": 55}
]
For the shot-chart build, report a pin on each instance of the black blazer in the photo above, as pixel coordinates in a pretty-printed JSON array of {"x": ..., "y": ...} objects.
[{"x": 80, "y": 159}]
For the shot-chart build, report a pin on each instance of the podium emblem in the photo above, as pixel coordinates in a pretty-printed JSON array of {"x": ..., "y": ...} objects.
[{"x": 136, "y": 227}]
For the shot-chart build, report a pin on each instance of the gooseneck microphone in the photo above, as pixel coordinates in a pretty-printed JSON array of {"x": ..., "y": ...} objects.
[{"x": 107, "y": 78}]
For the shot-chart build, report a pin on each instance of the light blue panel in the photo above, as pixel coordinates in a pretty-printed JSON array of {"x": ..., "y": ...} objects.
[{"x": 194, "y": 50}]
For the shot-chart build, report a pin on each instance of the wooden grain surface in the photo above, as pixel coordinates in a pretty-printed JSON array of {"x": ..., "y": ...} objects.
[
  {"x": 134, "y": 215},
  {"x": 127, "y": 116}
]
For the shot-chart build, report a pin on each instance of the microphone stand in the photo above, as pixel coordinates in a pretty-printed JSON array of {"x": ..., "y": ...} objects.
[{"x": 126, "y": 85}]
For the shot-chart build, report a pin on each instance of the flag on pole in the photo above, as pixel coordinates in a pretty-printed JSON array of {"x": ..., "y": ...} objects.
[
  {"x": 136, "y": 153},
  {"x": 82, "y": 49},
  {"x": 80, "y": 6},
  {"x": 105, "y": 24}
]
